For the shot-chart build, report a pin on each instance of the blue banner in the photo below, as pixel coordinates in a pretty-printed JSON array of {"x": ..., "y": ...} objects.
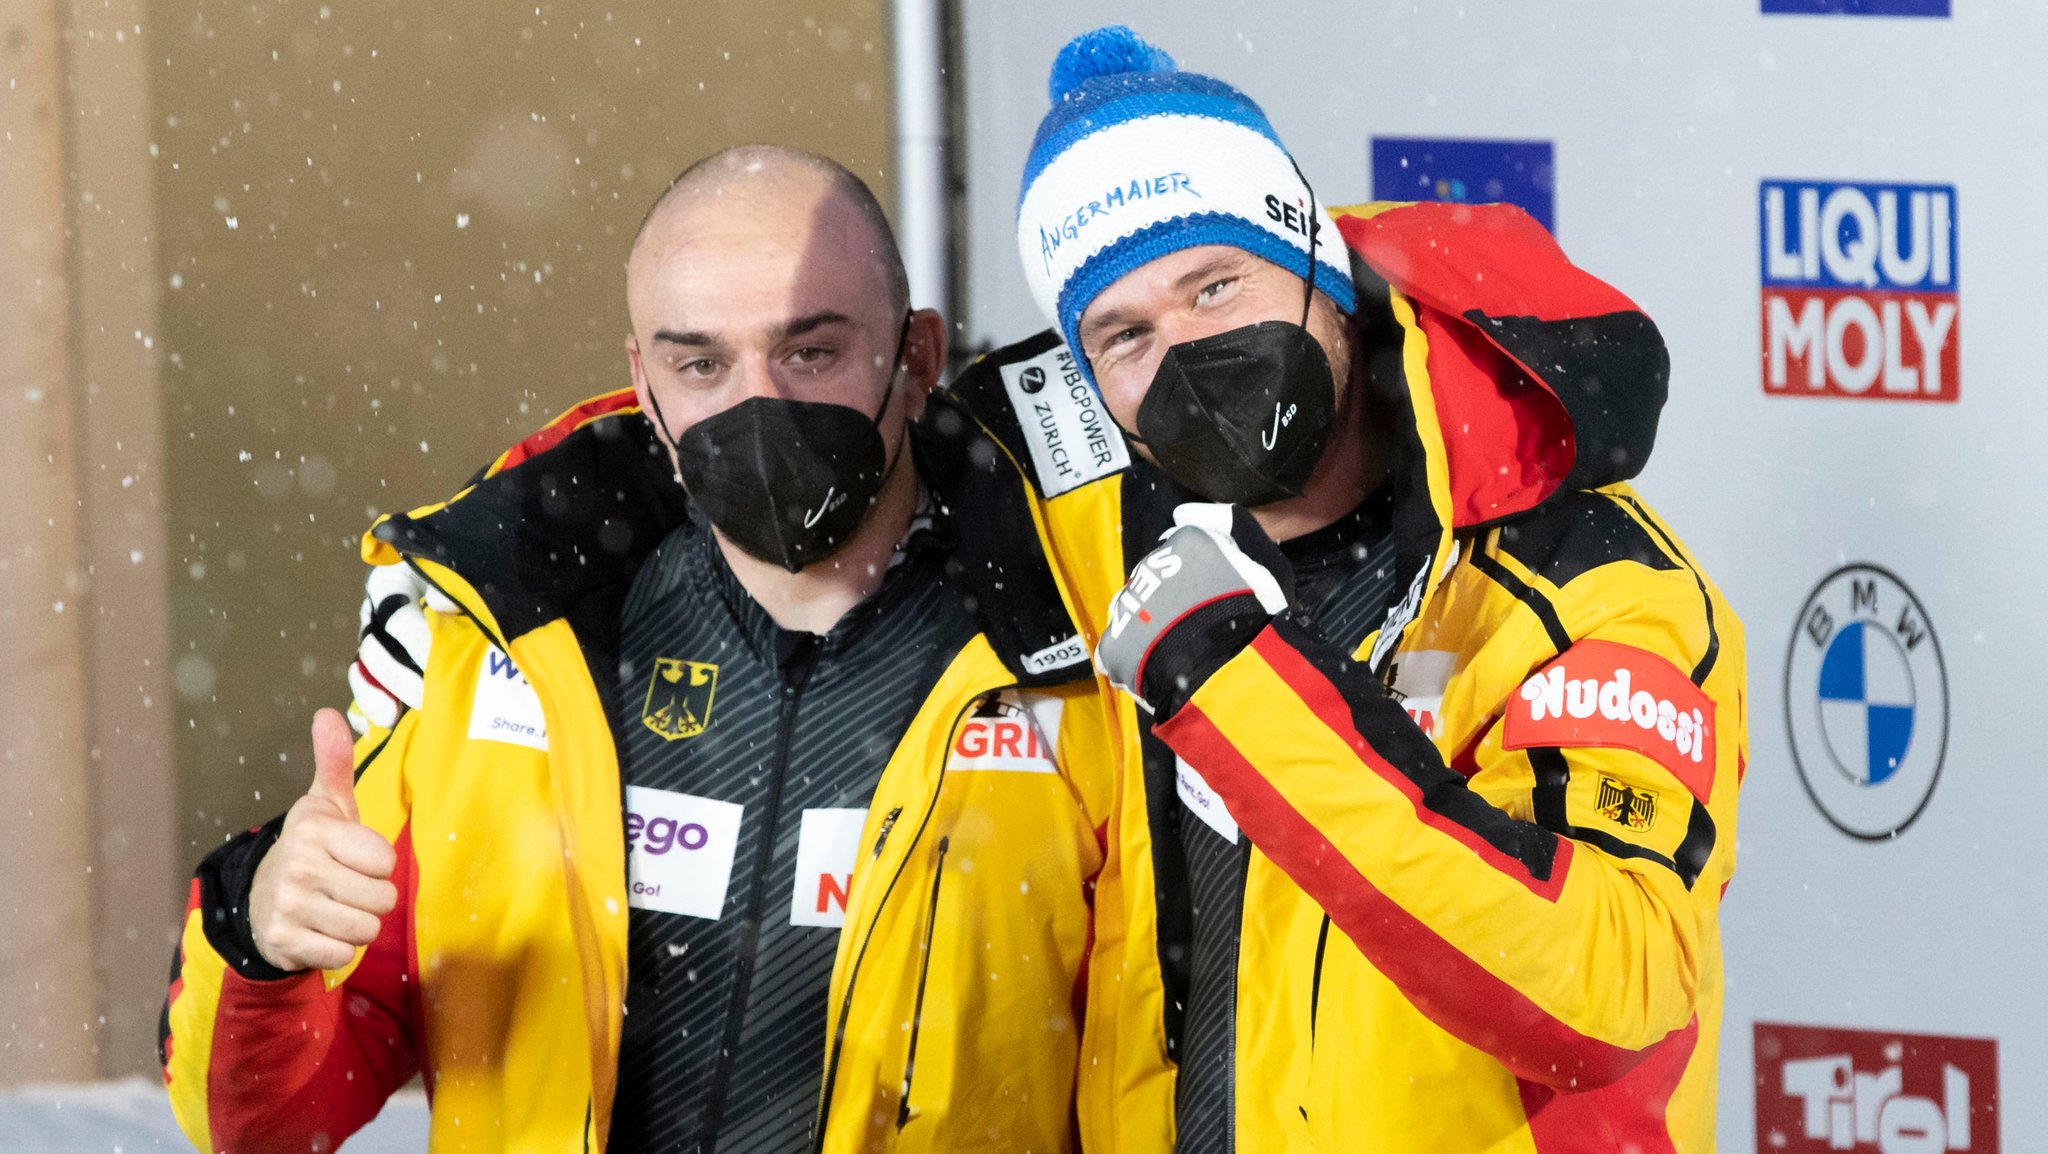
[{"x": 1518, "y": 172}]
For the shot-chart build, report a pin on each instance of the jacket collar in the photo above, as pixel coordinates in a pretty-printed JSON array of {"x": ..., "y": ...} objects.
[{"x": 567, "y": 517}]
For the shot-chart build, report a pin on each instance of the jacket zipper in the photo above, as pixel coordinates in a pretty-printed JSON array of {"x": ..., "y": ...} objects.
[
  {"x": 860, "y": 955},
  {"x": 1315, "y": 989},
  {"x": 1315, "y": 996},
  {"x": 795, "y": 676},
  {"x": 881, "y": 838},
  {"x": 924, "y": 971}
]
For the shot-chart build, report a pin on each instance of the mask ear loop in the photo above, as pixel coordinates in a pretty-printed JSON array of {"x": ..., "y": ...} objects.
[
  {"x": 1315, "y": 230},
  {"x": 895, "y": 367},
  {"x": 661, "y": 433}
]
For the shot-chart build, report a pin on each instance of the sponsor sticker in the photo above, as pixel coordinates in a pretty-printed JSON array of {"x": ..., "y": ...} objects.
[
  {"x": 505, "y": 707},
  {"x": 827, "y": 845},
  {"x": 1420, "y": 677},
  {"x": 1518, "y": 172},
  {"x": 679, "y": 850},
  {"x": 1202, "y": 801},
  {"x": 1823, "y": 1090},
  {"x": 1860, "y": 296},
  {"x": 1058, "y": 655},
  {"x": 1071, "y": 438},
  {"x": 1009, "y": 732},
  {"x": 1866, "y": 702},
  {"x": 1612, "y": 696}
]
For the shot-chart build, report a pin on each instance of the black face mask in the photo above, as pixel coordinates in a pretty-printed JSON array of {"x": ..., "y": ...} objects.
[
  {"x": 788, "y": 482},
  {"x": 1242, "y": 417}
]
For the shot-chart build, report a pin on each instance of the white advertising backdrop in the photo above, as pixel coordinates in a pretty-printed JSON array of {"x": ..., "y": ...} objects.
[{"x": 1667, "y": 120}]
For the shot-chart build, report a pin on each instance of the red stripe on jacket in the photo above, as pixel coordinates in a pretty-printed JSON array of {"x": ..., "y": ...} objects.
[
  {"x": 1329, "y": 707},
  {"x": 1454, "y": 991},
  {"x": 556, "y": 431},
  {"x": 297, "y": 1066},
  {"x": 1629, "y": 1115}
]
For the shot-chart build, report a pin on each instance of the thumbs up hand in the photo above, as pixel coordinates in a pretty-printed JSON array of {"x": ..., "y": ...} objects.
[{"x": 323, "y": 889}]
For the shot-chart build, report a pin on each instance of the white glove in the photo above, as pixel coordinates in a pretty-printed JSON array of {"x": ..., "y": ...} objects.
[{"x": 387, "y": 674}]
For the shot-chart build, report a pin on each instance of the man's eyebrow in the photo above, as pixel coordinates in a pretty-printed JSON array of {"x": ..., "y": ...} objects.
[
  {"x": 1111, "y": 318},
  {"x": 1208, "y": 269},
  {"x": 1200, "y": 275},
  {"x": 795, "y": 328},
  {"x": 811, "y": 323},
  {"x": 672, "y": 337}
]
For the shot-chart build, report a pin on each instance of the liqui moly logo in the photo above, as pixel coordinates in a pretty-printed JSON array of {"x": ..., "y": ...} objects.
[
  {"x": 1860, "y": 290},
  {"x": 1820, "y": 1090}
]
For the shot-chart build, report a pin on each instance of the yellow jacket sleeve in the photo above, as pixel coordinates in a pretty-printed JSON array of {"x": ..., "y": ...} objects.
[
  {"x": 1543, "y": 910},
  {"x": 256, "y": 1059}
]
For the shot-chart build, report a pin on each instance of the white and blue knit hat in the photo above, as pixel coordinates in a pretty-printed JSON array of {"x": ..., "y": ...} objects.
[{"x": 1137, "y": 160}]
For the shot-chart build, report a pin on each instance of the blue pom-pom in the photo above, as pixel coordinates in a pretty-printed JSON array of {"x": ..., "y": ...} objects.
[{"x": 1107, "y": 51}]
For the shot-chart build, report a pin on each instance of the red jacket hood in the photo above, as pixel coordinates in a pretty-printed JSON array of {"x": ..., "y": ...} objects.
[{"x": 1541, "y": 378}]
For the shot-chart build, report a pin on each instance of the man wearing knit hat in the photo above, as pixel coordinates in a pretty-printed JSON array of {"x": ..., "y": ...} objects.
[{"x": 1428, "y": 807}]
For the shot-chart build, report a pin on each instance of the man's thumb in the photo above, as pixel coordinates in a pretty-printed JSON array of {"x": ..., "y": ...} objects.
[{"x": 334, "y": 761}]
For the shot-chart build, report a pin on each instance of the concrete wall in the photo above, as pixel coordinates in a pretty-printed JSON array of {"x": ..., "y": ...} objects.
[
  {"x": 85, "y": 782},
  {"x": 268, "y": 271}
]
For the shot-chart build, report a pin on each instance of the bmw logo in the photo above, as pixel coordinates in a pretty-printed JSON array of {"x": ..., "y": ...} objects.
[{"x": 1866, "y": 702}]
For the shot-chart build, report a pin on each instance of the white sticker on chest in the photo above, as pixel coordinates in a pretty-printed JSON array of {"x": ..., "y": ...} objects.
[
  {"x": 1071, "y": 438},
  {"x": 505, "y": 707},
  {"x": 1014, "y": 733},
  {"x": 827, "y": 846},
  {"x": 1420, "y": 676},
  {"x": 1202, "y": 801},
  {"x": 679, "y": 850}
]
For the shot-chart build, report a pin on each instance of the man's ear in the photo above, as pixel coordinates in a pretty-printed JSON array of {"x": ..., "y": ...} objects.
[
  {"x": 924, "y": 357},
  {"x": 647, "y": 409},
  {"x": 636, "y": 370}
]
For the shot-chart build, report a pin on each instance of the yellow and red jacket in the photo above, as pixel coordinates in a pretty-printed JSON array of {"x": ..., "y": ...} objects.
[
  {"x": 501, "y": 976},
  {"x": 1514, "y": 801}
]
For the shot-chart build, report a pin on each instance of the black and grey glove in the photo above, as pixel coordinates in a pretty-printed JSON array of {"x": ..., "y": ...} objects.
[{"x": 1191, "y": 604}]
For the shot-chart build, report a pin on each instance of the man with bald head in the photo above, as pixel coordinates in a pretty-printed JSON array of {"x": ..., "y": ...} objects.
[{"x": 722, "y": 819}]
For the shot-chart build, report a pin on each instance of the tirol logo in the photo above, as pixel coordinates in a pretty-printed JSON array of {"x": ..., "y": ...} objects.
[
  {"x": 1856, "y": 7},
  {"x": 1603, "y": 694},
  {"x": 1823, "y": 1090},
  {"x": 1860, "y": 290},
  {"x": 679, "y": 698},
  {"x": 1866, "y": 702},
  {"x": 1519, "y": 172}
]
